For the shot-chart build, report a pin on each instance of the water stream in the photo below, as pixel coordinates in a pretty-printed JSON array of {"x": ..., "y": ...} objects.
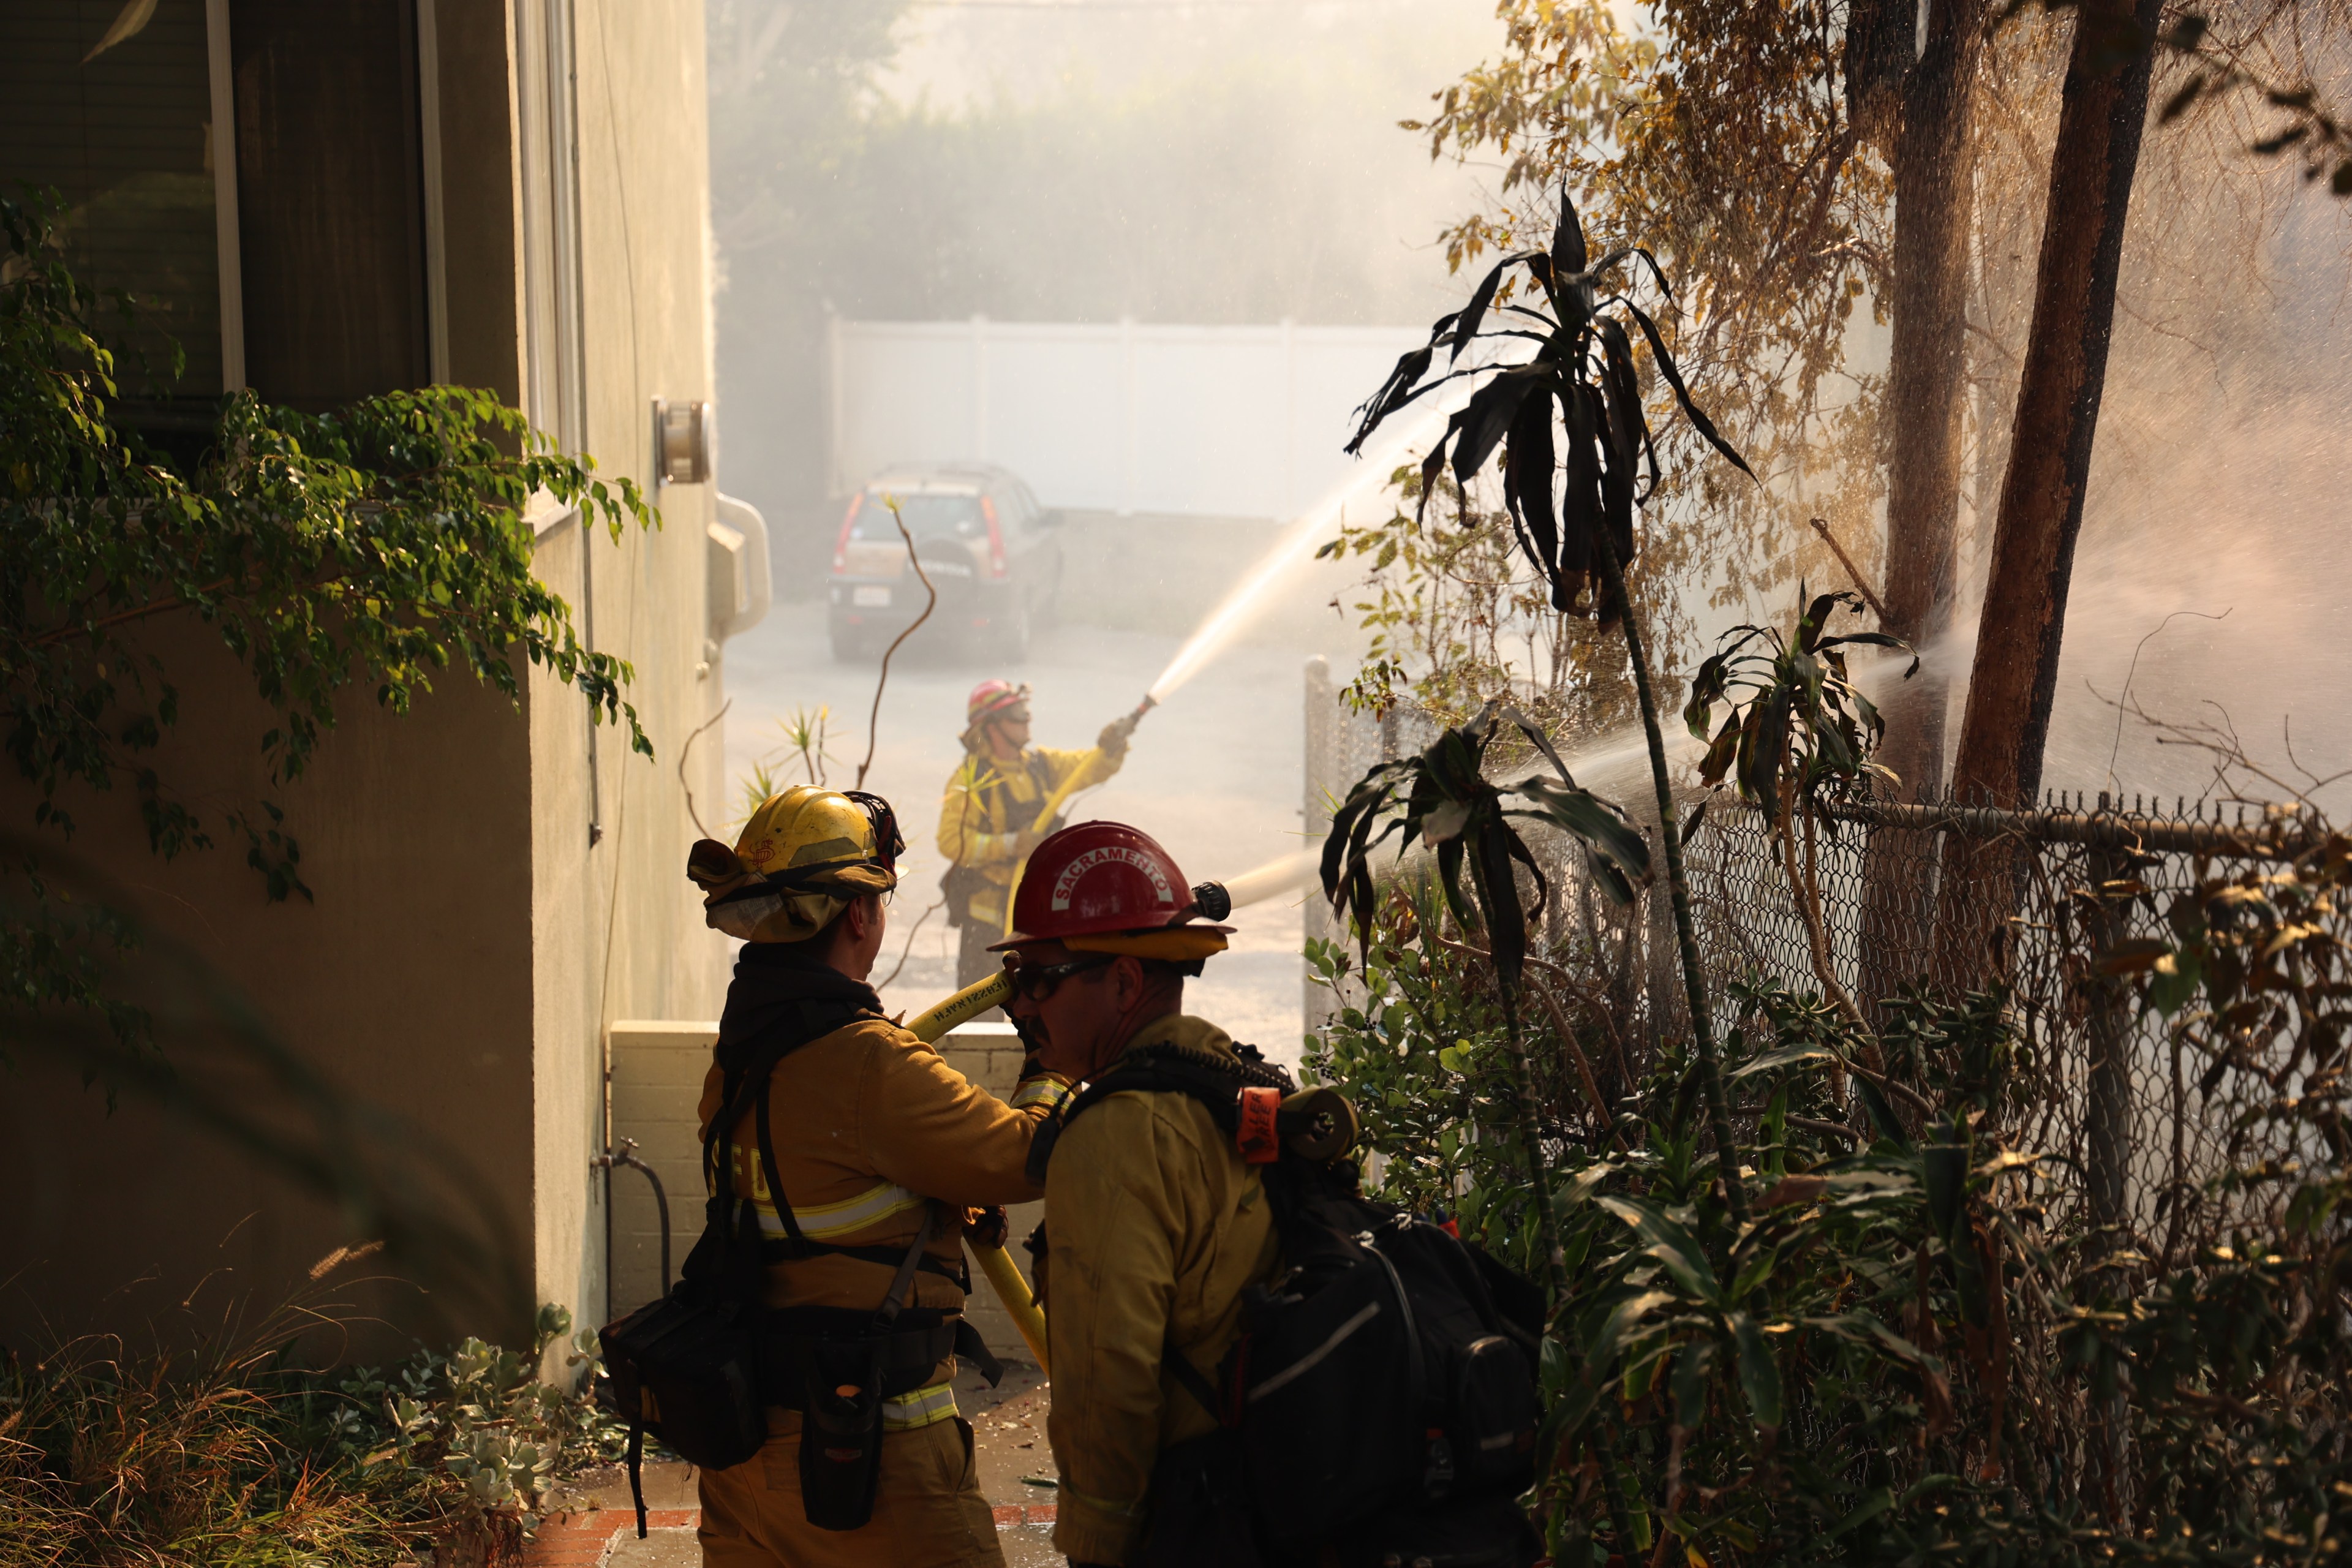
[{"x": 1295, "y": 548}]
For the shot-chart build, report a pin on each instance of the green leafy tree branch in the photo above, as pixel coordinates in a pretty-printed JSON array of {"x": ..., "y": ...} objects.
[{"x": 379, "y": 545}]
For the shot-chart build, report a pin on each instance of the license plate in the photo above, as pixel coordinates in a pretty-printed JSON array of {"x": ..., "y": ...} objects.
[{"x": 870, "y": 598}]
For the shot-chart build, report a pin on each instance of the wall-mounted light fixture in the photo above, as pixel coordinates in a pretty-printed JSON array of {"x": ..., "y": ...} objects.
[{"x": 683, "y": 436}]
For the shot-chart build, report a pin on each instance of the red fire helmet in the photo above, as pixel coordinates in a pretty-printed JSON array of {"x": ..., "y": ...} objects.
[
  {"x": 1094, "y": 879},
  {"x": 991, "y": 698}
]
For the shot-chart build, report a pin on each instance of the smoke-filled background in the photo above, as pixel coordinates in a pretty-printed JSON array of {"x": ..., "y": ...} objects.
[
  {"x": 1176, "y": 163},
  {"x": 2220, "y": 486},
  {"x": 1238, "y": 164},
  {"x": 1195, "y": 165}
]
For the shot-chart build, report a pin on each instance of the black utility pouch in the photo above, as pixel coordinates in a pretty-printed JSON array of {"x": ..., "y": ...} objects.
[
  {"x": 841, "y": 1434},
  {"x": 841, "y": 1423}
]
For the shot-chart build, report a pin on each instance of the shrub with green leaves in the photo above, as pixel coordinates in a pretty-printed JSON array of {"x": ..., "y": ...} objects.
[
  {"x": 377, "y": 546},
  {"x": 372, "y": 549},
  {"x": 1915, "y": 1347},
  {"x": 486, "y": 1419}
]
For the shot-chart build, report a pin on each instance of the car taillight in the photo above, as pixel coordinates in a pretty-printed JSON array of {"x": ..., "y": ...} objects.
[
  {"x": 995, "y": 537},
  {"x": 841, "y": 545}
]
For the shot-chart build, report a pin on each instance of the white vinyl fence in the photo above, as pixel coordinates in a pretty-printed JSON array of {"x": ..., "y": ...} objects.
[{"x": 1206, "y": 421}]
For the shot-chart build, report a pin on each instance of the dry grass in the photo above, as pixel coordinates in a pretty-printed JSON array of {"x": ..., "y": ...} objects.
[{"x": 235, "y": 1452}]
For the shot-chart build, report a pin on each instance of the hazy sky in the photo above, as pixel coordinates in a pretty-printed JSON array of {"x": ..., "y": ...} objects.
[
  {"x": 958, "y": 49},
  {"x": 1345, "y": 73}
]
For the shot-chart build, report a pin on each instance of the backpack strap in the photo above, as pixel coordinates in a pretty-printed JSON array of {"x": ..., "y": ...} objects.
[
  {"x": 1195, "y": 1380},
  {"x": 1216, "y": 1082},
  {"x": 896, "y": 1299},
  {"x": 726, "y": 1259}
]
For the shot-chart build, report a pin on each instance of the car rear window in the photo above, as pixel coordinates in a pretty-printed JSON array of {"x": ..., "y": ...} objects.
[{"x": 927, "y": 517}]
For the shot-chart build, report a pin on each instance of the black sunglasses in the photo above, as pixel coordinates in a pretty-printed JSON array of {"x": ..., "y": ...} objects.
[{"x": 1035, "y": 983}]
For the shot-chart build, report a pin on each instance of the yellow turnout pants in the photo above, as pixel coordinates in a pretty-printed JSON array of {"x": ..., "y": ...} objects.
[{"x": 928, "y": 1510}]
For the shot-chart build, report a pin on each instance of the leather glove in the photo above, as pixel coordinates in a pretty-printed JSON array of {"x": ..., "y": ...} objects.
[
  {"x": 1115, "y": 736},
  {"x": 986, "y": 1227}
]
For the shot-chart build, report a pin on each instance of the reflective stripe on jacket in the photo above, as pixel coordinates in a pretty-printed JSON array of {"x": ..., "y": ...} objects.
[
  {"x": 821, "y": 1221},
  {"x": 987, "y": 805},
  {"x": 868, "y": 1123},
  {"x": 918, "y": 1408},
  {"x": 1156, "y": 1228}
]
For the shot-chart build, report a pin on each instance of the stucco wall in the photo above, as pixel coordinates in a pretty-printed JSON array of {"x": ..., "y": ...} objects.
[
  {"x": 468, "y": 943},
  {"x": 406, "y": 983},
  {"x": 621, "y": 930}
]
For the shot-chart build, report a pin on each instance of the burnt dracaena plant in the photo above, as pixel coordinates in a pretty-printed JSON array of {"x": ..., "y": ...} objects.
[
  {"x": 1577, "y": 460},
  {"x": 1443, "y": 800},
  {"x": 1797, "y": 734}
]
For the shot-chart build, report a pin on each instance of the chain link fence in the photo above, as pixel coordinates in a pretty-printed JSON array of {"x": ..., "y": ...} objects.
[{"x": 2135, "y": 1122}]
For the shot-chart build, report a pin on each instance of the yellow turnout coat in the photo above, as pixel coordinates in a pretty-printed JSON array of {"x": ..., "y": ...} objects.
[
  {"x": 1156, "y": 1228},
  {"x": 870, "y": 1125},
  {"x": 987, "y": 804}
]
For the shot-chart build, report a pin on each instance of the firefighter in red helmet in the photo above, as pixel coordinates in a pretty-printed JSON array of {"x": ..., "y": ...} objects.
[
  {"x": 1158, "y": 1226},
  {"x": 990, "y": 814}
]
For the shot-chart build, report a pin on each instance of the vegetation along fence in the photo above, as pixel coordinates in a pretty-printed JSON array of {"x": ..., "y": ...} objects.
[{"x": 1949, "y": 896}]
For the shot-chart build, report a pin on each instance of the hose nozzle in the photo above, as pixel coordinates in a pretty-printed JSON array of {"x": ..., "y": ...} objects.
[{"x": 1211, "y": 901}]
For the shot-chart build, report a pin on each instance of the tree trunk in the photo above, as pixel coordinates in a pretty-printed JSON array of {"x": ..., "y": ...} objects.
[
  {"x": 1926, "y": 381},
  {"x": 1925, "y": 399},
  {"x": 2101, "y": 112}
]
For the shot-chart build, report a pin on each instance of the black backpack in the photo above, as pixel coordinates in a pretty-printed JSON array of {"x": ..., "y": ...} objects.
[
  {"x": 700, "y": 1367},
  {"x": 1381, "y": 1404}
]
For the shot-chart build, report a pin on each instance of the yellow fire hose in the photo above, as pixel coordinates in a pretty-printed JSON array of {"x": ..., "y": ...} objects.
[
  {"x": 996, "y": 1262},
  {"x": 1019, "y": 1302},
  {"x": 936, "y": 1020},
  {"x": 1045, "y": 814}
]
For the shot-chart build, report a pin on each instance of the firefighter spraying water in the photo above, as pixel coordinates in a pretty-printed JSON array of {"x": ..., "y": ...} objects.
[{"x": 1005, "y": 799}]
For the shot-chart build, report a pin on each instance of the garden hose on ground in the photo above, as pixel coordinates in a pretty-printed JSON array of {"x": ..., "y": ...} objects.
[{"x": 930, "y": 1026}]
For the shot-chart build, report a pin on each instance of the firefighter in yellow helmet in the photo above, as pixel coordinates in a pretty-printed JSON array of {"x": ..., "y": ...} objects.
[
  {"x": 874, "y": 1155},
  {"x": 988, "y": 815}
]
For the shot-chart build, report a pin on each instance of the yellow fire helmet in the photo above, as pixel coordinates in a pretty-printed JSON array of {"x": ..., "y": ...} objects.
[{"x": 803, "y": 856}]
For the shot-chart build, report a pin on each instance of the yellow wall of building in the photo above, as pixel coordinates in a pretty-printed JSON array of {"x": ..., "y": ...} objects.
[{"x": 468, "y": 945}]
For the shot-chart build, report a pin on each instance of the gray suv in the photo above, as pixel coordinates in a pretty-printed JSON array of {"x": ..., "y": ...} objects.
[{"x": 983, "y": 541}]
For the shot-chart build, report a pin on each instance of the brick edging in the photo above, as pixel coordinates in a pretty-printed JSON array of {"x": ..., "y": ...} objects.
[{"x": 581, "y": 1539}]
